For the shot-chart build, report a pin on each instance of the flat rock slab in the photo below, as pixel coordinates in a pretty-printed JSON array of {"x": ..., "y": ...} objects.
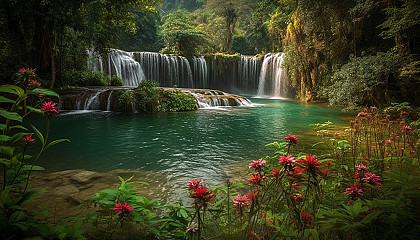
[{"x": 69, "y": 193}]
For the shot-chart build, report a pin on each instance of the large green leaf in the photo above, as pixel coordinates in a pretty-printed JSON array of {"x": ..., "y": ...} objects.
[
  {"x": 10, "y": 115},
  {"x": 45, "y": 91},
  {"x": 6, "y": 100},
  {"x": 4, "y": 138},
  {"x": 39, "y": 135},
  {"x": 55, "y": 142},
  {"x": 34, "y": 109},
  {"x": 7, "y": 150},
  {"x": 12, "y": 89}
]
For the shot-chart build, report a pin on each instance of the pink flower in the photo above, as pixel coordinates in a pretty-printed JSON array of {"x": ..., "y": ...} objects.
[
  {"x": 361, "y": 168},
  {"x": 292, "y": 139},
  {"x": 122, "y": 208},
  {"x": 374, "y": 108},
  {"x": 28, "y": 139},
  {"x": 197, "y": 183},
  {"x": 353, "y": 191},
  {"x": 49, "y": 109},
  {"x": 372, "y": 179},
  {"x": 241, "y": 201},
  {"x": 22, "y": 70},
  {"x": 257, "y": 164},
  {"x": 388, "y": 141},
  {"x": 287, "y": 160}
]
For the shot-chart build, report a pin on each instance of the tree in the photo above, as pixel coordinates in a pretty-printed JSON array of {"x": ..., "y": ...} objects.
[
  {"x": 230, "y": 11},
  {"x": 41, "y": 27},
  {"x": 181, "y": 35}
]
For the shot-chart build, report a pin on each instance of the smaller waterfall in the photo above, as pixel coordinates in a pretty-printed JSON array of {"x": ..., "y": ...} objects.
[
  {"x": 248, "y": 74},
  {"x": 200, "y": 76},
  {"x": 273, "y": 78},
  {"x": 214, "y": 98},
  {"x": 118, "y": 63},
  {"x": 168, "y": 70}
]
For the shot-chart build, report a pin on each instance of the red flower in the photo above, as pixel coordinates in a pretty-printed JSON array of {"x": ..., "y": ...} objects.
[
  {"x": 257, "y": 164},
  {"x": 122, "y": 208},
  {"x": 195, "y": 184},
  {"x": 306, "y": 217},
  {"x": 28, "y": 139},
  {"x": 275, "y": 173},
  {"x": 49, "y": 109},
  {"x": 353, "y": 191},
  {"x": 241, "y": 201},
  {"x": 202, "y": 195},
  {"x": 287, "y": 160},
  {"x": 22, "y": 70},
  {"x": 257, "y": 179},
  {"x": 292, "y": 139},
  {"x": 310, "y": 164}
]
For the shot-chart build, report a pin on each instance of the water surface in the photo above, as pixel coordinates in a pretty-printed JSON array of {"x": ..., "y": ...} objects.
[{"x": 183, "y": 145}]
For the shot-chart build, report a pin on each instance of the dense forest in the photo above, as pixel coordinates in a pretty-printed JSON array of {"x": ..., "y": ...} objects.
[{"x": 349, "y": 52}]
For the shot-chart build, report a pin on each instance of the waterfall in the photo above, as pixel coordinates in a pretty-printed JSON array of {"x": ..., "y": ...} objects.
[
  {"x": 118, "y": 63},
  {"x": 273, "y": 78},
  {"x": 248, "y": 74},
  {"x": 201, "y": 75},
  {"x": 168, "y": 70}
]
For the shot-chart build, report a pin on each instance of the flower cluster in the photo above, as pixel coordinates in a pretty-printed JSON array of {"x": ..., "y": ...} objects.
[
  {"x": 122, "y": 209},
  {"x": 242, "y": 201},
  {"x": 292, "y": 139},
  {"x": 257, "y": 164},
  {"x": 49, "y": 109},
  {"x": 201, "y": 194},
  {"x": 27, "y": 139}
]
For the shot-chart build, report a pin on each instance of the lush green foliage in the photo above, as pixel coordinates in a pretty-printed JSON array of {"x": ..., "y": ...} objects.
[
  {"x": 150, "y": 99},
  {"x": 181, "y": 36},
  {"x": 16, "y": 140},
  {"x": 361, "y": 81},
  {"x": 88, "y": 78}
]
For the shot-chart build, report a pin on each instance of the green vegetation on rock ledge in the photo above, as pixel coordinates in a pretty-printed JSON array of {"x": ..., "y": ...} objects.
[{"x": 149, "y": 98}]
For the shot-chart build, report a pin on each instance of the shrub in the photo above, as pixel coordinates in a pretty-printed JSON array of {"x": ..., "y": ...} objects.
[
  {"x": 115, "y": 81},
  {"x": 126, "y": 100},
  {"x": 363, "y": 80}
]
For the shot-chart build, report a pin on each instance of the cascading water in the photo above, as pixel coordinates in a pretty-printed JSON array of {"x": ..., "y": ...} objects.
[
  {"x": 248, "y": 74},
  {"x": 168, "y": 70},
  {"x": 200, "y": 74},
  {"x": 118, "y": 63},
  {"x": 273, "y": 79}
]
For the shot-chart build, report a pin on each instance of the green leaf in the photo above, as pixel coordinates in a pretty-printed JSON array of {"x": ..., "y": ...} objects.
[
  {"x": 219, "y": 202},
  {"x": 56, "y": 142},
  {"x": 183, "y": 213},
  {"x": 18, "y": 127},
  {"x": 28, "y": 195},
  {"x": 140, "y": 182},
  {"x": 5, "y": 161},
  {"x": 33, "y": 168},
  {"x": 3, "y": 127},
  {"x": 10, "y": 115},
  {"x": 12, "y": 89},
  {"x": 36, "y": 110},
  {"x": 6, "y": 150},
  {"x": 236, "y": 185},
  {"x": 39, "y": 135},
  {"x": 6, "y": 100},
  {"x": 45, "y": 91},
  {"x": 4, "y": 138}
]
